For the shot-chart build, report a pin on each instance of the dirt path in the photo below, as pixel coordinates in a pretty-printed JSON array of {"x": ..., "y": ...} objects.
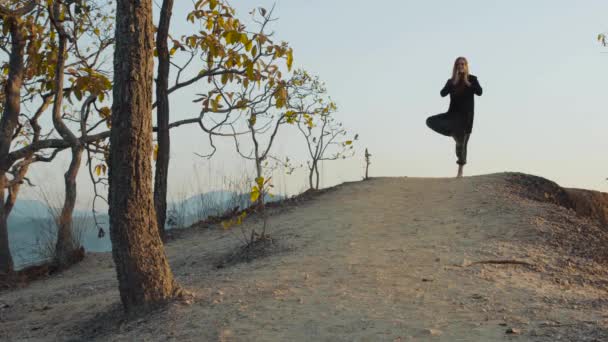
[{"x": 383, "y": 260}]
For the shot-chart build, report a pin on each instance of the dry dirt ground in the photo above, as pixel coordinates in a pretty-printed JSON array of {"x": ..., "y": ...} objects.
[{"x": 390, "y": 259}]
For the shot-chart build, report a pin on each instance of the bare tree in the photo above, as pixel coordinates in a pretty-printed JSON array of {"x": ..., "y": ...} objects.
[
  {"x": 264, "y": 111},
  {"x": 329, "y": 142},
  {"x": 326, "y": 139}
]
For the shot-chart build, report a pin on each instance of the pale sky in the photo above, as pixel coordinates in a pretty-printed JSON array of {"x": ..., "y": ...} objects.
[{"x": 544, "y": 77}]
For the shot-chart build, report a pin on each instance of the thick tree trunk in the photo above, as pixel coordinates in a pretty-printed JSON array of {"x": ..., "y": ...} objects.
[
  {"x": 8, "y": 123},
  {"x": 162, "y": 115},
  {"x": 144, "y": 276},
  {"x": 66, "y": 245}
]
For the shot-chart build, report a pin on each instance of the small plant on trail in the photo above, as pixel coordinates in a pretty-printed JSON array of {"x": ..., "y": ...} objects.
[
  {"x": 367, "y": 163},
  {"x": 258, "y": 194},
  {"x": 255, "y": 244}
]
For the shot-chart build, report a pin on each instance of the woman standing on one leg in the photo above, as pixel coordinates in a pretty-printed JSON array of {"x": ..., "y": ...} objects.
[{"x": 458, "y": 121}]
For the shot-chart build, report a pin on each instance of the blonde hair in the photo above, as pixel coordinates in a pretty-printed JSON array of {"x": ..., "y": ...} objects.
[{"x": 456, "y": 76}]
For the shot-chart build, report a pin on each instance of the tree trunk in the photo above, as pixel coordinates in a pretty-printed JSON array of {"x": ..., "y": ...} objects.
[
  {"x": 162, "y": 117},
  {"x": 144, "y": 276},
  {"x": 6, "y": 260},
  {"x": 310, "y": 176},
  {"x": 6, "y": 206},
  {"x": 261, "y": 204},
  {"x": 317, "y": 175},
  {"x": 8, "y": 123},
  {"x": 66, "y": 245}
]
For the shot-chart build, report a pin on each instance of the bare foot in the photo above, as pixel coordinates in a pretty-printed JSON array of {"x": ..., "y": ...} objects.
[{"x": 460, "y": 167}]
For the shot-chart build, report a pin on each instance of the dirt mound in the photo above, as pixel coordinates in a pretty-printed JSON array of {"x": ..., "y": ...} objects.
[
  {"x": 586, "y": 203},
  {"x": 582, "y": 230},
  {"x": 539, "y": 189}
]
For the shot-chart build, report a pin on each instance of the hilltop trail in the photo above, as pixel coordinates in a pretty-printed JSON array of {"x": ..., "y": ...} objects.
[{"x": 390, "y": 259}]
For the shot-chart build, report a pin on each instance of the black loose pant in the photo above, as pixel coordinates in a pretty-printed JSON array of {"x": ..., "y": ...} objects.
[{"x": 452, "y": 125}]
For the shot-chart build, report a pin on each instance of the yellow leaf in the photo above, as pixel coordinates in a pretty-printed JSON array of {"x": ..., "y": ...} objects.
[
  {"x": 348, "y": 142},
  {"x": 228, "y": 36},
  {"x": 98, "y": 170},
  {"x": 249, "y": 71},
  {"x": 155, "y": 152},
  {"x": 255, "y": 194},
  {"x": 289, "y": 59},
  {"x": 309, "y": 122},
  {"x": 260, "y": 182},
  {"x": 105, "y": 112}
]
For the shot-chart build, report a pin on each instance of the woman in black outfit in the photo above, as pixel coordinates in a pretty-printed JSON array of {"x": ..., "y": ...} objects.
[{"x": 458, "y": 121}]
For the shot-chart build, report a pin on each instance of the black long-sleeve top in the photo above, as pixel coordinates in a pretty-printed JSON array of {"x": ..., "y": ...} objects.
[
  {"x": 461, "y": 95},
  {"x": 462, "y": 99}
]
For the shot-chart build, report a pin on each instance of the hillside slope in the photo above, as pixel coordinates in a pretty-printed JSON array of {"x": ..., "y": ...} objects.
[{"x": 390, "y": 259}]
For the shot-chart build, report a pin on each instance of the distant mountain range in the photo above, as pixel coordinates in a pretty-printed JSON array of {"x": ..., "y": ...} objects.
[
  {"x": 29, "y": 223},
  {"x": 212, "y": 203},
  {"x": 28, "y": 208}
]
